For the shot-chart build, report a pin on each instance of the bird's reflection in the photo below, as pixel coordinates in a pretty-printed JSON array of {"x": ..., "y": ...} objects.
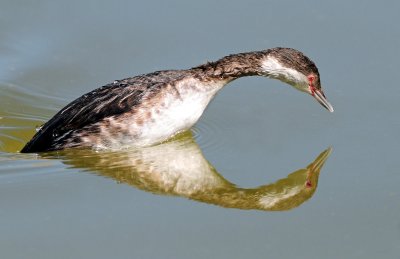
[{"x": 179, "y": 168}]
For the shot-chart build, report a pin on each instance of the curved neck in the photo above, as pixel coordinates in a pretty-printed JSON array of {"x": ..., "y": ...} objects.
[{"x": 233, "y": 66}]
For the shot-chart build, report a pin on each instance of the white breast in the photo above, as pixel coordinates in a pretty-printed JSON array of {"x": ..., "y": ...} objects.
[{"x": 182, "y": 108}]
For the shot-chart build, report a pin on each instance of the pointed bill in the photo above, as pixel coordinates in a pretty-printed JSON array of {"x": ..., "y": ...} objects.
[{"x": 319, "y": 95}]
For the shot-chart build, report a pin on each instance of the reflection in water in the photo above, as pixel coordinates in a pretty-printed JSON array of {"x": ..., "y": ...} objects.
[{"x": 179, "y": 168}]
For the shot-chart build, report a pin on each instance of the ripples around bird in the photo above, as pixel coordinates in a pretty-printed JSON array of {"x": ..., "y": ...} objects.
[
  {"x": 21, "y": 112},
  {"x": 174, "y": 168}
]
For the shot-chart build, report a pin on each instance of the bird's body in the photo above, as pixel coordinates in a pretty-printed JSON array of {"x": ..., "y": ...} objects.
[{"x": 151, "y": 108}]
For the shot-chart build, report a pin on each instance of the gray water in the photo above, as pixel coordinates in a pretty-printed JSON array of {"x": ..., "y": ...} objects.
[{"x": 266, "y": 172}]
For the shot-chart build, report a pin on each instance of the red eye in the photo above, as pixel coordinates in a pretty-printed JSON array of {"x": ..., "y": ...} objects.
[{"x": 311, "y": 78}]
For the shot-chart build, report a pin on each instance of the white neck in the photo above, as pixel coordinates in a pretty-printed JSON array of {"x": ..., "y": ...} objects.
[{"x": 274, "y": 69}]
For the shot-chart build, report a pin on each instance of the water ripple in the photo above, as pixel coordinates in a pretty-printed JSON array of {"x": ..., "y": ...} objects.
[
  {"x": 206, "y": 133},
  {"x": 21, "y": 111}
]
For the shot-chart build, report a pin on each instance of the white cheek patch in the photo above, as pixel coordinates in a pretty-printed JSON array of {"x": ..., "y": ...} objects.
[{"x": 274, "y": 69}]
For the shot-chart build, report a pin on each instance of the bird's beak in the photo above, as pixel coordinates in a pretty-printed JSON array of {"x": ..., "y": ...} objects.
[{"x": 320, "y": 96}]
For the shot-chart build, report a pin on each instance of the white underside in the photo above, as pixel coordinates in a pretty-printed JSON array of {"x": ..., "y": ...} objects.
[{"x": 179, "y": 113}]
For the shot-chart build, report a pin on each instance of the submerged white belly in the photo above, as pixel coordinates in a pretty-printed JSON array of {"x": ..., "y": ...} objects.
[
  {"x": 179, "y": 115},
  {"x": 174, "y": 110}
]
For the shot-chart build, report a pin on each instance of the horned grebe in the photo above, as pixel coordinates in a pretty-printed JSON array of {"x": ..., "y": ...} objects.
[{"x": 151, "y": 108}]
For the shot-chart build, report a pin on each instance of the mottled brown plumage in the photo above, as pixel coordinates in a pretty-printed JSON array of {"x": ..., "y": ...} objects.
[{"x": 150, "y": 108}]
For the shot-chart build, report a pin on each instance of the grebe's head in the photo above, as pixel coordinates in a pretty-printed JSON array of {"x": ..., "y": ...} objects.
[{"x": 294, "y": 68}]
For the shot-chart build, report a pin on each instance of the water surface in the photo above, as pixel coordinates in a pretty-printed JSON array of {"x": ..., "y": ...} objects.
[{"x": 266, "y": 172}]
